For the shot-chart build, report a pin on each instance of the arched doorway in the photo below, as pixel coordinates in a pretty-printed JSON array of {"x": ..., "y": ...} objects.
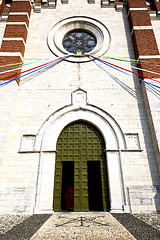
[{"x": 81, "y": 182}]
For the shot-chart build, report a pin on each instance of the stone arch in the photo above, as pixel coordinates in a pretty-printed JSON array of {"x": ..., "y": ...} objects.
[
  {"x": 58, "y": 120},
  {"x": 46, "y": 143}
]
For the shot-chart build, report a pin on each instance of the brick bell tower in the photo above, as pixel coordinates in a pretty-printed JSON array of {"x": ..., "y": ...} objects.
[{"x": 75, "y": 125}]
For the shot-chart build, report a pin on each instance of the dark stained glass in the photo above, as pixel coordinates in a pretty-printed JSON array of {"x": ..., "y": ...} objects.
[{"x": 79, "y": 41}]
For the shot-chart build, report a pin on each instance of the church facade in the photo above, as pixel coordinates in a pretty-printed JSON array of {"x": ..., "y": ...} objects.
[{"x": 79, "y": 106}]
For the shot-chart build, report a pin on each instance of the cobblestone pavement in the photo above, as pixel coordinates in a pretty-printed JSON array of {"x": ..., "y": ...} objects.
[
  {"x": 151, "y": 219},
  {"x": 8, "y": 221},
  {"x": 140, "y": 229},
  {"x": 80, "y": 226}
]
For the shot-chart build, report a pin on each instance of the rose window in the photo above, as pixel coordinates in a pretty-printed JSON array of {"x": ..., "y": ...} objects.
[{"x": 79, "y": 41}]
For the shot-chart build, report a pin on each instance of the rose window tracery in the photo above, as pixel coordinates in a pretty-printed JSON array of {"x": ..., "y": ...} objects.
[{"x": 79, "y": 41}]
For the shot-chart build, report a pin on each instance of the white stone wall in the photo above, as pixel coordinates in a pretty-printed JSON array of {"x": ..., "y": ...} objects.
[
  {"x": 156, "y": 29},
  {"x": 151, "y": 98},
  {"x": 42, "y": 94},
  {"x": 2, "y": 28}
]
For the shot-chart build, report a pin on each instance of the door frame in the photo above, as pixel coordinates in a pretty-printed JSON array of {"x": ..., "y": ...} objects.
[
  {"x": 83, "y": 138},
  {"x": 46, "y": 143}
]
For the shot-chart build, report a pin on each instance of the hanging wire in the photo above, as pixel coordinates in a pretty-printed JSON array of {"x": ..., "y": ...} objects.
[
  {"x": 133, "y": 61},
  {"x": 117, "y": 68},
  {"x": 7, "y": 71},
  {"x": 45, "y": 64},
  {"x": 120, "y": 59},
  {"x": 123, "y": 69},
  {"x": 19, "y": 65},
  {"x": 127, "y": 60},
  {"x": 142, "y": 69},
  {"x": 36, "y": 69}
]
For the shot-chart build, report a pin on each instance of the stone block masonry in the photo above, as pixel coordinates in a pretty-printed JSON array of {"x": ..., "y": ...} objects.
[
  {"x": 146, "y": 50},
  {"x": 34, "y": 112}
]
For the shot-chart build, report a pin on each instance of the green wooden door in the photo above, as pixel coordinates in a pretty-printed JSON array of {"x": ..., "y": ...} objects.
[{"x": 80, "y": 142}]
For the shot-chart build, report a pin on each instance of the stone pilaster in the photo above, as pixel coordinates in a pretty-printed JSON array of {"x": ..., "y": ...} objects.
[{"x": 146, "y": 50}]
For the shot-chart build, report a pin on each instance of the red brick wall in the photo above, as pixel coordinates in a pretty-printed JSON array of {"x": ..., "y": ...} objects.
[
  {"x": 139, "y": 18},
  {"x": 21, "y": 6},
  {"x": 10, "y": 60},
  {"x": 18, "y": 31},
  {"x": 13, "y": 46},
  {"x": 136, "y": 4},
  {"x": 18, "y": 18},
  {"x": 14, "y": 30},
  {"x": 3, "y": 8},
  {"x": 144, "y": 41}
]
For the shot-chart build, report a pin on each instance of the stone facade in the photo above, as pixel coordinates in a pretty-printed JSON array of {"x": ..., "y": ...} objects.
[{"x": 34, "y": 113}]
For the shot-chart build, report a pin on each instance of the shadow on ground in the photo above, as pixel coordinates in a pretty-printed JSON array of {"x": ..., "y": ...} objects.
[
  {"x": 26, "y": 229},
  {"x": 139, "y": 229}
]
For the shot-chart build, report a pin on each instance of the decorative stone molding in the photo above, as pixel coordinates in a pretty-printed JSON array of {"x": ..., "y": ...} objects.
[
  {"x": 27, "y": 143},
  {"x": 117, "y": 196},
  {"x": 14, "y": 39},
  {"x": 52, "y": 4},
  {"x": 96, "y": 28},
  {"x": 119, "y": 6},
  {"x": 79, "y": 109},
  {"x": 107, "y": 3},
  {"x": 141, "y": 28},
  {"x": 104, "y": 3},
  {"x": 4, "y": 17},
  {"x": 137, "y": 9},
  {"x": 152, "y": 14},
  {"x": 46, "y": 140},
  {"x": 11, "y": 54},
  {"x": 132, "y": 141},
  {"x": 112, "y": 2},
  {"x": 37, "y": 8},
  {"x": 91, "y": 1},
  {"x": 79, "y": 98},
  {"x": 149, "y": 56},
  {"x": 64, "y": 1},
  {"x": 45, "y": 143},
  {"x": 142, "y": 196}
]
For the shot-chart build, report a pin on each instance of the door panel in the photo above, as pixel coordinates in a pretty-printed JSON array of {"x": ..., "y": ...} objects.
[
  {"x": 94, "y": 186},
  {"x": 80, "y": 142},
  {"x": 67, "y": 197}
]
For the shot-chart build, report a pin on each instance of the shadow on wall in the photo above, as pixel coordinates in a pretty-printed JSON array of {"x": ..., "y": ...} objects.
[
  {"x": 27, "y": 228},
  {"x": 143, "y": 112},
  {"x": 119, "y": 82}
]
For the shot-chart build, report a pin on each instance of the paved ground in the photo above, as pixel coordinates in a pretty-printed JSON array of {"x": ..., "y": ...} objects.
[
  {"x": 80, "y": 226},
  {"x": 140, "y": 229}
]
